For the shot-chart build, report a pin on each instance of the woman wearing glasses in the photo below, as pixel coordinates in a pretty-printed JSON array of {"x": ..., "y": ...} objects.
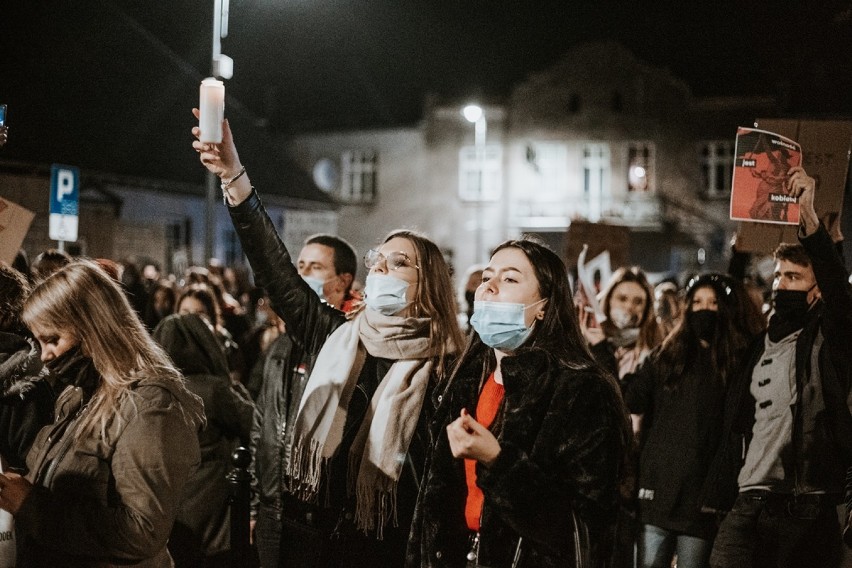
[
  {"x": 529, "y": 435},
  {"x": 355, "y": 452}
]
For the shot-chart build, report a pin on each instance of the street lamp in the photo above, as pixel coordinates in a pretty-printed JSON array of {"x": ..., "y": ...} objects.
[
  {"x": 476, "y": 115},
  {"x": 220, "y": 66}
]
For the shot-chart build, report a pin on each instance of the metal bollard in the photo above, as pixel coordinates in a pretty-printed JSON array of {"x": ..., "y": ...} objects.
[{"x": 239, "y": 498}]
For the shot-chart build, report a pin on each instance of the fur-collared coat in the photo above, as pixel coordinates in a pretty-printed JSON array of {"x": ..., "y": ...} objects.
[
  {"x": 562, "y": 440},
  {"x": 26, "y": 398}
]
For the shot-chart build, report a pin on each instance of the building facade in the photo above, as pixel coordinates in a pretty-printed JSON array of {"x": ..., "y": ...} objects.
[{"x": 599, "y": 137}]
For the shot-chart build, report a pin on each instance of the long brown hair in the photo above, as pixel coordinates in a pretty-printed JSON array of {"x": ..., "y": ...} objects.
[
  {"x": 434, "y": 297},
  {"x": 82, "y": 300},
  {"x": 650, "y": 334}
]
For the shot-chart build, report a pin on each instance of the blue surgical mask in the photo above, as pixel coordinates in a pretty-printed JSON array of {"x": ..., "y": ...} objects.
[
  {"x": 385, "y": 294},
  {"x": 500, "y": 325},
  {"x": 316, "y": 285}
]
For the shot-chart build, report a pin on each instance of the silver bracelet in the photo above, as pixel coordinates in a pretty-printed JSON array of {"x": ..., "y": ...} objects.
[{"x": 227, "y": 184}]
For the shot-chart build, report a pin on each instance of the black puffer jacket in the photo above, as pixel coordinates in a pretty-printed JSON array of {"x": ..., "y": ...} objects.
[
  {"x": 26, "y": 402},
  {"x": 562, "y": 443},
  {"x": 309, "y": 322}
]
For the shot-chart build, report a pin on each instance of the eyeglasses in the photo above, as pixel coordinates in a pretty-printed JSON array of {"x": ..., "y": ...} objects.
[{"x": 393, "y": 260}]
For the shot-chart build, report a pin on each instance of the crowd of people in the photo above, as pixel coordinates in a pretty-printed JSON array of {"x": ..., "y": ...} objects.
[{"x": 402, "y": 424}]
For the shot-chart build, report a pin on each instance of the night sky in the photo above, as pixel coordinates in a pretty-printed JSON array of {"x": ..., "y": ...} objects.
[{"x": 128, "y": 70}]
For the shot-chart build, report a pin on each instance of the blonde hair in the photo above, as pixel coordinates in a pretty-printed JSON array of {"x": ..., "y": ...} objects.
[{"x": 83, "y": 300}]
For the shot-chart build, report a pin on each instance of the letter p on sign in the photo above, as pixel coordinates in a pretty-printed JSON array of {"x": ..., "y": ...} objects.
[{"x": 64, "y": 202}]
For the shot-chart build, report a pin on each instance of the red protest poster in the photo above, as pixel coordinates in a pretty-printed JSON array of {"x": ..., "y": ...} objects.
[{"x": 759, "y": 190}]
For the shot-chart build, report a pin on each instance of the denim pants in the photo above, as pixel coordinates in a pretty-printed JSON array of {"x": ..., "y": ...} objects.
[
  {"x": 657, "y": 546},
  {"x": 267, "y": 535},
  {"x": 766, "y": 530}
]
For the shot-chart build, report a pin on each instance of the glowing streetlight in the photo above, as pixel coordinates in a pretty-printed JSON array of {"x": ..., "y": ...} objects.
[{"x": 476, "y": 115}]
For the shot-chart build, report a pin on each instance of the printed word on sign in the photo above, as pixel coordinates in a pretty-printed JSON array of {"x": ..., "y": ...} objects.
[{"x": 64, "y": 202}]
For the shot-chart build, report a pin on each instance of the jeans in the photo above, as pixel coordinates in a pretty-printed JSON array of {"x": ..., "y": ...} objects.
[
  {"x": 765, "y": 530},
  {"x": 267, "y": 535},
  {"x": 657, "y": 547}
]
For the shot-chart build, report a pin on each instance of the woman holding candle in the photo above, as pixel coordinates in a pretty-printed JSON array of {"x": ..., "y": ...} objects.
[
  {"x": 529, "y": 435},
  {"x": 355, "y": 452}
]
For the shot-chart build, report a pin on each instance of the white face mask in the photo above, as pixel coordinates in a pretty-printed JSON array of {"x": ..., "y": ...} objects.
[
  {"x": 385, "y": 294},
  {"x": 316, "y": 285},
  {"x": 622, "y": 319}
]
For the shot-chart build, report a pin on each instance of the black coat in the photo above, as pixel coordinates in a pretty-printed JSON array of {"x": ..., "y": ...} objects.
[
  {"x": 680, "y": 434},
  {"x": 203, "y": 524},
  {"x": 562, "y": 440},
  {"x": 284, "y": 380},
  {"x": 26, "y": 398}
]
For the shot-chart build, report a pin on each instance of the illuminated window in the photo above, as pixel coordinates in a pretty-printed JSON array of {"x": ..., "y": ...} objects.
[
  {"x": 358, "y": 176},
  {"x": 640, "y": 167},
  {"x": 717, "y": 166},
  {"x": 480, "y": 173},
  {"x": 596, "y": 170}
]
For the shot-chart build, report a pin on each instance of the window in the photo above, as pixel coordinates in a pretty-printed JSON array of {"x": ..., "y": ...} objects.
[
  {"x": 480, "y": 173},
  {"x": 640, "y": 167},
  {"x": 358, "y": 176},
  {"x": 596, "y": 169},
  {"x": 717, "y": 166},
  {"x": 550, "y": 162}
]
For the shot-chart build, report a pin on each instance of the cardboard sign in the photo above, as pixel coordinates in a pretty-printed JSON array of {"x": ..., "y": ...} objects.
[
  {"x": 826, "y": 146},
  {"x": 14, "y": 224},
  {"x": 759, "y": 190},
  {"x": 600, "y": 238}
]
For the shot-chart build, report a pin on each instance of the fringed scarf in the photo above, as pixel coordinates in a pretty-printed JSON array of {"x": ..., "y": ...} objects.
[{"x": 378, "y": 452}]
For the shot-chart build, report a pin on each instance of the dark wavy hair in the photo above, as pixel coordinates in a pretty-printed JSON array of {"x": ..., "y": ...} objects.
[
  {"x": 14, "y": 290},
  {"x": 680, "y": 349},
  {"x": 558, "y": 332}
]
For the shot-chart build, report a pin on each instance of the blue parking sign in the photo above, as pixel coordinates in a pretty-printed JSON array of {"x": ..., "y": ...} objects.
[{"x": 64, "y": 202}]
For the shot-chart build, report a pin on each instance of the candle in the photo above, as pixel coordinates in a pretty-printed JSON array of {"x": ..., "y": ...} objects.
[{"x": 212, "y": 107}]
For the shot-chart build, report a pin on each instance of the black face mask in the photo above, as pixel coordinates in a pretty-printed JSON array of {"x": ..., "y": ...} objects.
[
  {"x": 790, "y": 305},
  {"x": 65, "y": 361},
  {"x": 703, "y": 324}
]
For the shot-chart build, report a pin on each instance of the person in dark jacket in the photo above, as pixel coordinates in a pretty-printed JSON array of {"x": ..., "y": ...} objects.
[
  {"x": 676, "y": 399},
  {"x": 26, "y": 398},
  {"x": 620, "y": 344},
  {"x": 359, "y": 436},
  {"x": 785, "y": 456},
  {"x": 104, "y": 479},
  {"x": 328, "y": 264},
  {"x": 530, "y": 433},
  {"x": 202, "y": 532}
]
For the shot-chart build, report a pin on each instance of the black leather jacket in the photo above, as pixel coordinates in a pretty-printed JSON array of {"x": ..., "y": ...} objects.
[
  {"x": 284, "y": 380},
  {"x": 309, "y": 322},
  {"x": 822, "y": 423}
]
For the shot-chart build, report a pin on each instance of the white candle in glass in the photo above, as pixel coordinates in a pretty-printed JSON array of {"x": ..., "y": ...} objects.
[{"x": 212, "y": 109}]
